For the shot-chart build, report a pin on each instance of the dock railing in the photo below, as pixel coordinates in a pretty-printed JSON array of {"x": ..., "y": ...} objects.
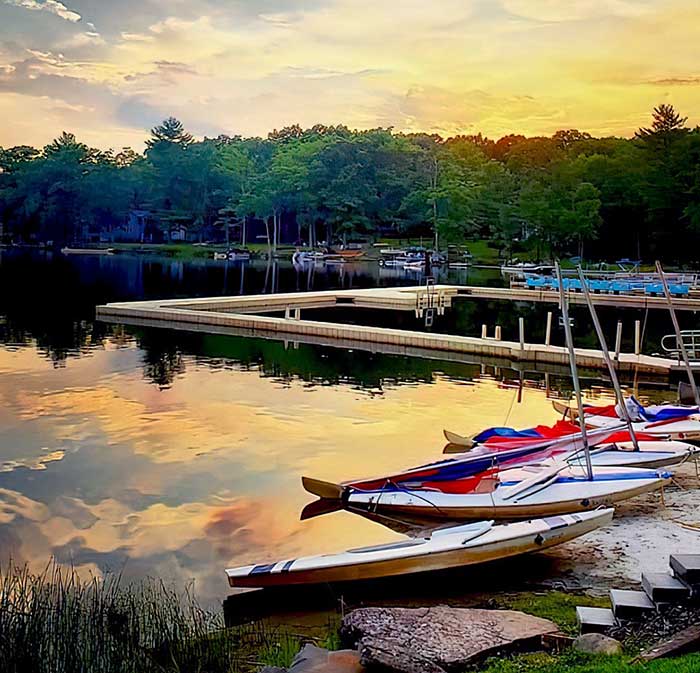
[{"x": 691, "y": 341}]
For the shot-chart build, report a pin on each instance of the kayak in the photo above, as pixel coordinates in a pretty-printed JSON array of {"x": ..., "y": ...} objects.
[
  {"x": 659, "y": 453},
  {"x": 671, "y": 428},
  {"x": 668, "y": 420},
  {"x": 451, "y": 547},
  {"x": 510, "y": 451},
  {"x": 616, "y": 448},
  {"x": 547, "y": 489}
]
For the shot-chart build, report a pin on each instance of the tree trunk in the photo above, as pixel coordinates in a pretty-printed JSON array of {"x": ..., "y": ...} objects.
[
  {"x": 267, "y": 234},
  {"x": 435, "y": 218}
]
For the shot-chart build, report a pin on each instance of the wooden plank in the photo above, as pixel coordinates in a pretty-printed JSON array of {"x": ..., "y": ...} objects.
[{"x": 687, "y": 640}]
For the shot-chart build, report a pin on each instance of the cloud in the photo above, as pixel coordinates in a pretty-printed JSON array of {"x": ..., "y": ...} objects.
[
  {"x": 558, "y": 11},
  {"x": 675, "y": 81},
  {"x": 237, "y": 67},
  {"x": 89, "y": 38},
  {"x": 51, "y": 6}
]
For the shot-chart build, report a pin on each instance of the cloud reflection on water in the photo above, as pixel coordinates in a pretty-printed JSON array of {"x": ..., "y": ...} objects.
[{"x": 181, "y": 481}]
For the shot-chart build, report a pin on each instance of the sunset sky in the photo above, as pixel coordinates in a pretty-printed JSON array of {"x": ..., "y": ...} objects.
[{"x": 108, "y": 70}]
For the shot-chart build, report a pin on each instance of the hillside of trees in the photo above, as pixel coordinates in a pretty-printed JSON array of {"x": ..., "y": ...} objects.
[{"x": 565, "y": 194}]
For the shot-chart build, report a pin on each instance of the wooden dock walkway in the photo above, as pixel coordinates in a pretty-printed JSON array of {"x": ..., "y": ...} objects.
[{"x": 245, "y": 315}]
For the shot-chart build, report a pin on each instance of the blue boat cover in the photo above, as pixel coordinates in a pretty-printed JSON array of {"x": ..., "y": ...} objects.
[{"x": 510, "y": 433}]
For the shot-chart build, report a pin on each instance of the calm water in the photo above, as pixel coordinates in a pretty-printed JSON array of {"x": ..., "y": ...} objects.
[{"x": 177, "y": 454}]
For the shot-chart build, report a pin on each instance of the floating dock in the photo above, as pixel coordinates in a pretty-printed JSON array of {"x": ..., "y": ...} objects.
[{"x": 246, "y": 315}]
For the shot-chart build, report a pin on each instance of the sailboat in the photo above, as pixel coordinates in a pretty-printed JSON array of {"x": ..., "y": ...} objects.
[
  {"x": 614, "y": 449},
  {"x": 445, "y": 490}
]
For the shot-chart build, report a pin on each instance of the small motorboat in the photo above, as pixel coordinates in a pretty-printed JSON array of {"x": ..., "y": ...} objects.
[
  {"x": 238, "y": 255},
  {"x": 451, "y": 547},
  {"x": 307, "y": 257}
]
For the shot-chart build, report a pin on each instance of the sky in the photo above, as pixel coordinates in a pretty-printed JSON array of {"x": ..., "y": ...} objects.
[{"x": 109, "y": 70}]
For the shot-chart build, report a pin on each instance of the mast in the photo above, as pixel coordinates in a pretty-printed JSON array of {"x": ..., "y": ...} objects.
[
  {"x": 608, "y": 361},
  {"x": 679, "y": 338},
  {"x": 574, "y": 371}
]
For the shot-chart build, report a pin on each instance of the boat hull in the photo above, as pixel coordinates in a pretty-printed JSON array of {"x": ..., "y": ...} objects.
[{"x": 500, "y": 542}]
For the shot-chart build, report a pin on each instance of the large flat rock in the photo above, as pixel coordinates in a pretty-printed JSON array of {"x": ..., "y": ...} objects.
[{"x": 438, "y": 639}]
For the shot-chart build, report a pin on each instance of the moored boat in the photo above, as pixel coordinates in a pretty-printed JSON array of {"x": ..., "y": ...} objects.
[
  {"x": 513, "y": 493},
  {"x": 452, "y": 547},
  {"x": 87, "y": 251},
  {"x": 615, "y": 449},
  {"x": 669, "y": 421}
]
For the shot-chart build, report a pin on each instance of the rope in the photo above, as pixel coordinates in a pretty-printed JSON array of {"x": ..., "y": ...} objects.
[
  {"x": 510, "y": 408},
  {"x": 389, "y": 482}
]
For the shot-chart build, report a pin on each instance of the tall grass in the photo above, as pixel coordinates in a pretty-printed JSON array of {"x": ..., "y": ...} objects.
[{"x": 56, "y": 622}]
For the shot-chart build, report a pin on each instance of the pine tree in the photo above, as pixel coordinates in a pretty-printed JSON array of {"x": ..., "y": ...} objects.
[
  {"x": 666, "y": 122},
  {"x": 170, "y": 131}
]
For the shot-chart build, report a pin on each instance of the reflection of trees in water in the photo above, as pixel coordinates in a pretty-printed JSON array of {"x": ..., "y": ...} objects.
[
  {"x": 43, "y": 303},
  {"x": 162, "y": 357},
  {"x": 317, "y": 365}
]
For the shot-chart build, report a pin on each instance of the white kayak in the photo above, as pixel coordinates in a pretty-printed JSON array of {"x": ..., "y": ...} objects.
[
  {"x": 451, "y": 547},
  {"x": 665, "y": 420},
  {"x": 674, "y": 428},
  {"x": 660, "y": 453},
  {"x": 651, "y": 453},
  {"x": 520, "y": 492}
]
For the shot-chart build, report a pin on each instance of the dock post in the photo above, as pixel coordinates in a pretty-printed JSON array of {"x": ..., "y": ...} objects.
[
  {"x": 618, "y": 340},
  {"x": 297, "y": 314},
  {"x": 548, "y": 330},
  {"x": 287, "y": 313},
  {"x": 484, "y": 331},
  {"x": 637, "y": 337},
  {"x": 497, "y": 333},
  {"x": 521, "y": 328}
]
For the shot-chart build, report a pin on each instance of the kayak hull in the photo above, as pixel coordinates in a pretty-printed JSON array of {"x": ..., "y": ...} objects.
[{"x": 441, "y": 553}]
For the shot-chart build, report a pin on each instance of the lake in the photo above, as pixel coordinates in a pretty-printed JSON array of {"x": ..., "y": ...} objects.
[{"x": 176, "y": 454}]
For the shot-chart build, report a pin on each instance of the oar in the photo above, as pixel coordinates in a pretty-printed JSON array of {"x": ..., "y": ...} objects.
[
  {"x": 319, "y": 507},
  {"x": 323, "y": 489},
  {"x": 459, "y": 440}
]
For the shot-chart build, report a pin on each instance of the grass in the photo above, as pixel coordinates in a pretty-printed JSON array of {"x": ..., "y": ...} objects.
[
  {"x": 57, "y": 622},
  {"x": 483, "y": 252},
  {"x": 572, "y": 661},
  {"x": 557, "y": 606}
]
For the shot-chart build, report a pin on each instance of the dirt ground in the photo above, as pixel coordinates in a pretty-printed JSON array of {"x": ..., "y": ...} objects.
[{"x": 644, "y": 532}]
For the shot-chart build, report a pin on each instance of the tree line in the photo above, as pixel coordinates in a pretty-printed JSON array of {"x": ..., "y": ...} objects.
[{"x": 565, "y": 194}]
